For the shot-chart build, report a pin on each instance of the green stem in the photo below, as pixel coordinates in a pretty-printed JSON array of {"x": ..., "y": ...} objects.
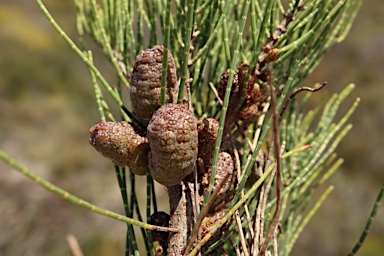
[
  {"x": 130, "y": 236},
  {"x": 225, "y": 103},
  {"x": 308, "y": 217},
  {"x": 187, "y": 45},
  {"x": 106, "y": 42},
  {"x": 86, "y": 60},
  {"x": 167, "y": 32},
  {"x": 75, "y": 200},
  {"x": 369, "y": 223}
]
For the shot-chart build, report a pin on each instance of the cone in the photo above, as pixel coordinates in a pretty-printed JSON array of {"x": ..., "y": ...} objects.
[
  {"x": 145, "y": 83},
  {"x": 120, "y": 142},
  {"x": 172, "y": 134}
]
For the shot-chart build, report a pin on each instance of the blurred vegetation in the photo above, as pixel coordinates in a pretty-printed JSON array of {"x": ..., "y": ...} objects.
[{"x": 45, "y": 100}]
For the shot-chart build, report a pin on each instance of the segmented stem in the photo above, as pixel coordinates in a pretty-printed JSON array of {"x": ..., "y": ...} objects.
[{"x": 75, "y": 200}]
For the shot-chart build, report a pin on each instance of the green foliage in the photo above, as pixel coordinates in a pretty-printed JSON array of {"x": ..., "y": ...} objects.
[{"x": 282, "y": 43}]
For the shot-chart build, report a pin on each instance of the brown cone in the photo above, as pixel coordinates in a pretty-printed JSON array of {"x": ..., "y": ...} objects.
[
  {"x": 145, "y": 83},
  {"x": 119, "y": 142},
  {"x": 172, "y": 134}
]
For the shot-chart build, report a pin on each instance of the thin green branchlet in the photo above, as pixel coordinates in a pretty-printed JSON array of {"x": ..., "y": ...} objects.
[{"x": 281, "y": 46}]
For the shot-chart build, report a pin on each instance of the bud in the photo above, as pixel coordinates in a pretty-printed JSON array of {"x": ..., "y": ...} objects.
[
  {"x": 207, "y": 129},
  {"x": 224, "y": 166},
  {"x": 255, "y": 94},
  {"x": 120, "y": 142}
]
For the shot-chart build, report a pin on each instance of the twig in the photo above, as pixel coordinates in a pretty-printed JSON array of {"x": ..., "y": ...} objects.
[
  {"x": 246, "y": 210},
  {"x": 205, "y": 211},
  {"x": 194, "y": 196},
  {"x": 178, "y": 218},
  {"x": 308, "y": 89},
  {"x": 213, "y": 88},
  {"x": 251, "y": 191},
  {"x": 275, "y": 248},
  {"x": 241, "y": 234},
  {"x": 74, "y": 245},
  {"x": 263, "y": 206},
  {"x": 276, "y": 141},
  {"x": 197, "y": 196},
  {"x": 238, "y": 253},
  {"x": 259, "y": 219},
  {"x": 258, "y": 223}
]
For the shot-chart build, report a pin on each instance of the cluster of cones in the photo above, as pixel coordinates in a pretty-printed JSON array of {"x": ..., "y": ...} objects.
[{"x": 174, "y": 143}]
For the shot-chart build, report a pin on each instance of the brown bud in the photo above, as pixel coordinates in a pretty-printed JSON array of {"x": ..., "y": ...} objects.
[
  {"x": 145, "y": 83},
  {"x": 224, "y": 166},
  {"x": 255, "y": 95},
  {"x": 120, "y": 142},
  {"x": 237, "y": 83},
  {"x": 207, "y": 129},
  {"x": 172, "y": 134},
  {"x": 209, "y": 222}
]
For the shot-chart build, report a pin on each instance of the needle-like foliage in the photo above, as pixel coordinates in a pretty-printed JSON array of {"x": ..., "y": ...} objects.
[{"x": 241, "y": 63}]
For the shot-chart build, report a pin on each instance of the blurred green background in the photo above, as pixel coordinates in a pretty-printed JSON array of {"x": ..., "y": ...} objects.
[{"x": 47, "y": 107}]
